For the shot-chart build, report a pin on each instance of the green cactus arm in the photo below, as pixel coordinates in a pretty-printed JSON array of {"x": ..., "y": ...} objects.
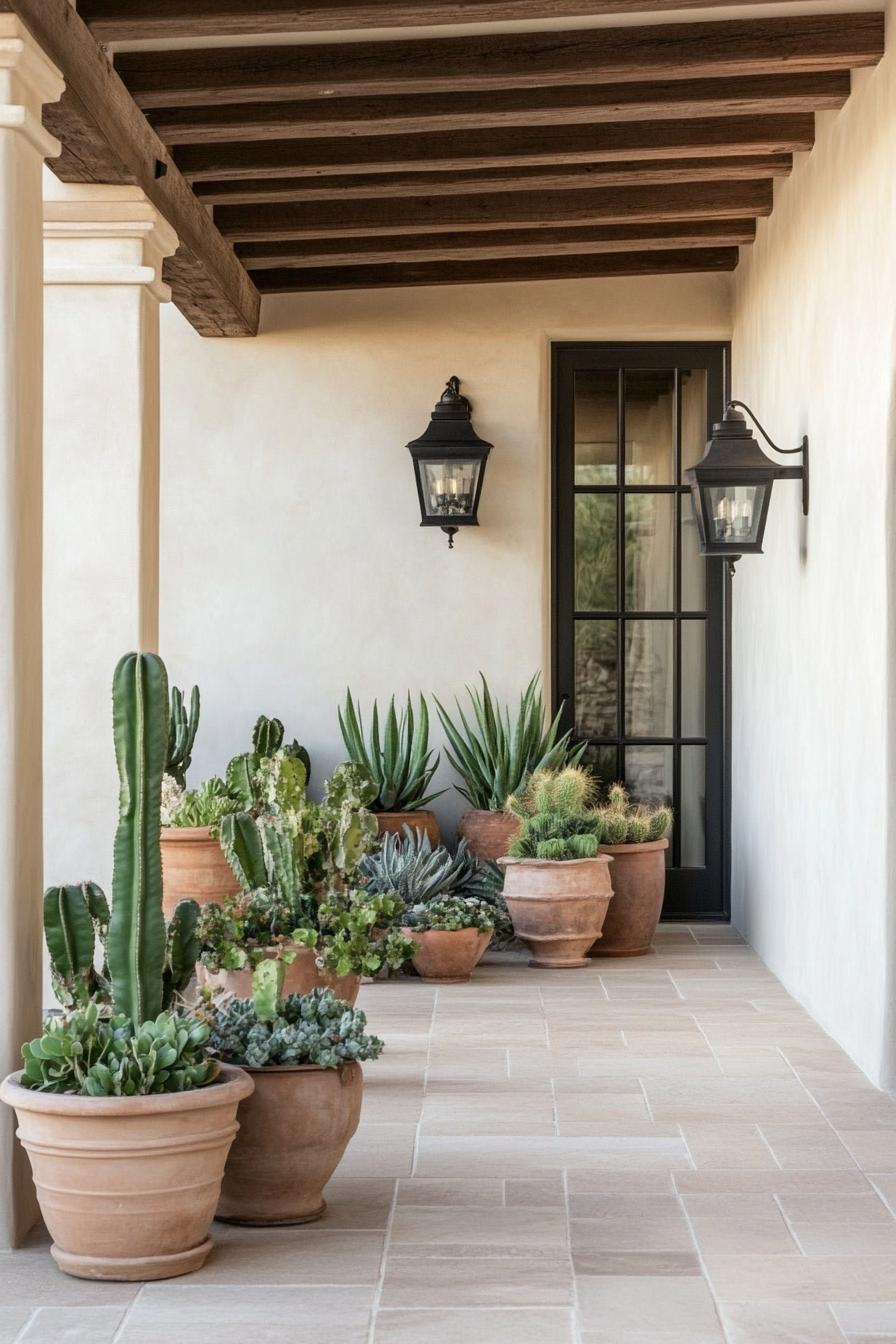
[
  {"x": 184, "y": 948},
  {"x": 136, "y": 943},
  {"x": 267, "y": 988},
  {"x": 241, "y": 773},
  {"x": 181, "y": 734},
  {"x": 243, "y": 849},
  {"x": 267, "y": 736},
  {"x": 71, "y": 936}
]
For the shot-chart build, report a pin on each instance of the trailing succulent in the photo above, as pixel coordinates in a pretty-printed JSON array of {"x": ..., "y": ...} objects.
[
  {"x": 204, "y": 806},
  {"x": 625, "y": 823},
  {"x": 353, "y": 936},
  {"x": 400, "y": 764},
  {"x": 557, "y": 820},
  {"x": 315, "y": 1028},
  {"x": 449, "y": 914},
  {"x": 495, "y": 757}
]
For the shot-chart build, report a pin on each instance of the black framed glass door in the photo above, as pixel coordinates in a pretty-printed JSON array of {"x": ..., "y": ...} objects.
[{"x": 639, "y": 617}]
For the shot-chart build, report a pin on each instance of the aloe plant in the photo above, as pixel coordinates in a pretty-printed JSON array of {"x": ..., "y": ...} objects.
[
  {"x": 182, "y": 727},
  {"x": 400, "y": 763},
  {"x": 494, "y": 756}
]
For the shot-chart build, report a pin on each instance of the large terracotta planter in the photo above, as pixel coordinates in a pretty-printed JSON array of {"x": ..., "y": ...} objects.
[
  {"x": 558, "y": 907},
  {"x": 194, "y": 868},
  {"x": 300, "y": 977},
  {"x": 488, "y": 834},
  {"x": 294, "y": 1130},
  {"x": 448, "y": 956},
  {"x": 128, "y": 1185},
  {"x": 639, "y": 885},
  {"x": 393, "y": 823}
]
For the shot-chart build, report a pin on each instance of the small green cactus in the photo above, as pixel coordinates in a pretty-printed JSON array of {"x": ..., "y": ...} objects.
[
  {"x": 625, "y": 823},
  {"x": 182, "y": 727},
  {"x": 556, "y": 821}
]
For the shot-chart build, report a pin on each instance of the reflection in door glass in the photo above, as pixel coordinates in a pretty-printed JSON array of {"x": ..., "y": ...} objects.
[
  {"x": 649, "y": 552},
  {"x": 596, "y": 690},
  {"x": 649, "y": 426},
  {"x": 692, "y": 807},
  {"x": 649, "y": 685},
  {"x": 693, "y": 678},
  {"x": 596, "y": 417},
  {"x": 595, "y": 552},
  {"x": 693, "y": 416}
]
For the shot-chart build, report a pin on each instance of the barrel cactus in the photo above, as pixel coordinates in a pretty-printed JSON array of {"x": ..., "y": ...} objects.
[
  {"x": 557, "y": 820},
  {"x": 626, "y": 823}
]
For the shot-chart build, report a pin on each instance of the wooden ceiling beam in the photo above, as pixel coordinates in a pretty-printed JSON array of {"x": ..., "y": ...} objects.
[
  {"x": 577, "y": 105},
  {"x": 196, "y": 76},
  {"x": 282, "y": 190},
  {"x": 519, "y": 147},
  {"x": 129, "y": 20},
  {"x": 622, "y": 205},
  {"x": 486, "y": 272},
  {"x": 516, "y": 243}
]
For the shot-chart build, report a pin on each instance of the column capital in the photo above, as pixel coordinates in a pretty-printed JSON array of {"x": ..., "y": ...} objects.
[
  {"x": 28, "y": 79},
  {"x": 104, "y": 235}
]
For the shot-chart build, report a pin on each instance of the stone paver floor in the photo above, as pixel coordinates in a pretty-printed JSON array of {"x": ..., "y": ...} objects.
[{"x": 660, "y": 1151}]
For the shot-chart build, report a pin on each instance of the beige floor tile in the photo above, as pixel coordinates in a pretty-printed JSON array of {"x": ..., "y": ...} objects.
[
  {"x": 636, "y": 1264},
  {"x": 312, "y": 1254},
  {"x": 719, "y": 1234},
  {"x": 537, "y": 1194},
  {"x": 846, "y": 1238},
  {"x": 631, "y": 1231},
  {"x": 866, "y": 1318},
  {"x": 600, "y": 1106},
  {"x": 611, "y": 1183},
  {"x": 462, "y": 1193},
  {"x": 653, "y": 1337},
  {"x": 777, "y": 1182},
  {"x": 58, "y": 1325},
  {"x": 12, "y": 1321},
  {"x": 733, "y": 1206},
  {"x": 178, "y": 1313},
  {"x": 779, "y": 1323},
  {"x": 864, "y": 1206},
  {"x": 802, "y": 1278},
  {"x": 490, "y": 1156},
  {"x": 886, "y": 1185},
  {"x": 492, "y": 1231},
  {"x": 361, "y": 1203},
  {"x": 806, "y": 1146},
  {"x": 627, "y": 1304},
  {"x": 738, "y": 1147},
  {"x": 873, "y": 1149},
  {"x": 592, "y": 1200},
  {"x": 387, "y": 1150},
  {"x": 29, "y": 1279},
  {"x": 478, "y": 1283},
  {"x": 441, "y": 1326}
]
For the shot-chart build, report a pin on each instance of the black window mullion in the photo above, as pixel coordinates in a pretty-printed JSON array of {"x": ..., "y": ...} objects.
[
  {"x": 676, "y": 599},
  {"x": 620, "y": 567}
]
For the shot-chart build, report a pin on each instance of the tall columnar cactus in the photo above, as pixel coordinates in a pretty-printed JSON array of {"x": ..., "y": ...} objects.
[
  {"x": 137, "y": 942},
  {"x": 182, "y": 726}
]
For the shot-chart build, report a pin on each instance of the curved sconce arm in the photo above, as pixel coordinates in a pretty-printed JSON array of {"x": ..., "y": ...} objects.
[{"x": 800, "y": 473}]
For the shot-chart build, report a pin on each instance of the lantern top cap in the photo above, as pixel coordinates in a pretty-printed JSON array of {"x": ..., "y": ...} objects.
[{"x": 450, "y": 428}]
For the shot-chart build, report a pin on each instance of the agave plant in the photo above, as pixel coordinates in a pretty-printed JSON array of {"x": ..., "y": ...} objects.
[
  {"x": 400, "y": 763},
  {"x": 495, "y": 757}
]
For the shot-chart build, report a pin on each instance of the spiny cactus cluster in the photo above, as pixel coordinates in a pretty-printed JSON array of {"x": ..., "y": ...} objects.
[
  {"x": 627, "y": 824},
  {"x": 315, "y": 1028},
  {"x": 557, "y": 820},
  {"x": 182, "y": 727}
]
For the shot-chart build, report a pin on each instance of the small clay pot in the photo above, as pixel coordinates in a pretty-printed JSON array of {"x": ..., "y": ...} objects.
[
  {"x": 448, "y": 956},
  {"x": 300, "y": 977},
  {"x": 194, "y": 868},
  {"x": 393, "y": 823},
  {"x": 128, "y": 1185},
  {"x": 488, "y": 834},
  {"x": 558, "y": 907},
  {"x": 291, "y": 1140},
  {"x": 639, "y": 885}
]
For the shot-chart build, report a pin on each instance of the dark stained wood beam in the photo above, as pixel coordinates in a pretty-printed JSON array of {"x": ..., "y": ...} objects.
[
  {"x": 105, "y": 132},
  {"x": 514, "y": 148},
  {"x": 279, "y": 190},
  {"x": 501, "y": 243},
  {"x": 804, "y": 44},
  {"x": 127, "y": 20},
  {"x": 577, "y": 105},
  {"x": 606, "y": 205},
  {"x": 485, "y": 272}
]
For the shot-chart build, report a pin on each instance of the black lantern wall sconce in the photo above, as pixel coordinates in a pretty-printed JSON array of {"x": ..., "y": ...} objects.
[
  {"x": 731, "y": 485},
  {"x": 449, "y": 465}
]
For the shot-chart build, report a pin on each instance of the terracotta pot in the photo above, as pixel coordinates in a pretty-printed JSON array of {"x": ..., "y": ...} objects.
[
  {"x": 194, "y": 868},
  {"x": 558, "y": 907},
  {"x": 128, "y": 1185},
  {"x": 448, "y": 956},
  {"x": 301, "y": 976},
  {"x": 488, "y": 834},
  {"x": 393, "y": 823},
  {"x": 639, "y": 885},
  {"x": 294, "y": 1130}
]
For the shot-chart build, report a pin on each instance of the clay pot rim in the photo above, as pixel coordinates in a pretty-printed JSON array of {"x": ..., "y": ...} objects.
[
  {"x": 403, "y": 812},
  {"x": 186, "y": 834},
  {"x": 642, "y": 847},
  {"x": 468, "y": 928},
  {"x": 506, "y": 861},
  {"x": 296, "y": 1068},
  {"x": 231, "y": 1084},
  {"x": 489, "y": 812}
]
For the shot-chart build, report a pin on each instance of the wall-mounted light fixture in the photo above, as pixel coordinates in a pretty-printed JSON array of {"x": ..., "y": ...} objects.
[
  {"x": 731, "y": 485},
  {"x": 449, "y": 465}
]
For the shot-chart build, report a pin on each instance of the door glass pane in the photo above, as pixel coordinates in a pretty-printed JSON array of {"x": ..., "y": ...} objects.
[
  {"x": 694, "y": 427},
  {"x": 649, "y": 552},
  {"x": 596, "y": 679},
  {"x": 693, "y": 565},
  {"x": 596, "y": 418},
  {"x": 692, "y": 807},
  {"x": 648, "y": 774},
  {"x": 595, "y": 552},
  {"x": 648, "y": 678},
  {"x": 693, "y": 678},
  {"x": 603, "y": 763},
  {"x": 649, "y": 426}
]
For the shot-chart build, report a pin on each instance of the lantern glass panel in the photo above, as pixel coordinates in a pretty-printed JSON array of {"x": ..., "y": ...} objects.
[
  {"x": 734, "y": 513},
  {"x": 449, "y": 486}
]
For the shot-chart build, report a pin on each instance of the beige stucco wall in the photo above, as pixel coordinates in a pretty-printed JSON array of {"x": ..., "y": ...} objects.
[
  {"x": 292, "y": 558},
  {"x": 815, "y": 352}
]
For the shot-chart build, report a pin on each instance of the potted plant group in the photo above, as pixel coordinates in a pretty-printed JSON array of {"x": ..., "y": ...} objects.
[
  {"x": 557, "y": 884},
  {"x": 451, "y": 935},
  {"x": 304, "y": 1053},
  {"x": 193, "y": 863},
  {"x": 400, "y": 764},
  {"x": 125, "y": 1118},
  {"x": 495, "y": 757},
  {"x": 634, "y": 837}
]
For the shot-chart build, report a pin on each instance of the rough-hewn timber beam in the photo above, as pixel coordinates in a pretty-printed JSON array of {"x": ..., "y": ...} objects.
[
  {"x": 485, "y": 272},
  {"x": 209, "y": 285},
  {"x": 577, "y": 105},
  {"x": 279, "y": 190},
  {"x": 544, "y": 145},
  {"x": 127, "y": 20},
  {"x": 520, "y": 60},
  {"x": 623, "y": 205}
]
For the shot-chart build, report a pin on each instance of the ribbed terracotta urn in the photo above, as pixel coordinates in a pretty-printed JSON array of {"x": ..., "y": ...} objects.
[
  {"x": 128, "y": 1185},
  {"x": 558, "y": 907},
  {"x": 448, "y": 956},
  {"x": 639, "y": 885},
  {"x": 300, "y": 977},
  {"x": 194, "y": 868},
  {"x": 393, "y": 823},
  {"x": 488, "y": 834},
  {"x": 294, "y": 1130}
]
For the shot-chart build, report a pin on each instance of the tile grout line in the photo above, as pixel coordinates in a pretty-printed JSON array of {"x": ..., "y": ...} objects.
[
  {"x": 698, "y": 1252},
  {"x": 818, "y": 1106},
  {"x": 27, "y": 1326},
  {"x": 127, "y": 1314}
]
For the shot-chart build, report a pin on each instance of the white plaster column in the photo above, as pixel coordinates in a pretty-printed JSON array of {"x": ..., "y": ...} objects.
[
  {"x": 103, "y": 252},
  {"x": 27, "y": 81}
]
